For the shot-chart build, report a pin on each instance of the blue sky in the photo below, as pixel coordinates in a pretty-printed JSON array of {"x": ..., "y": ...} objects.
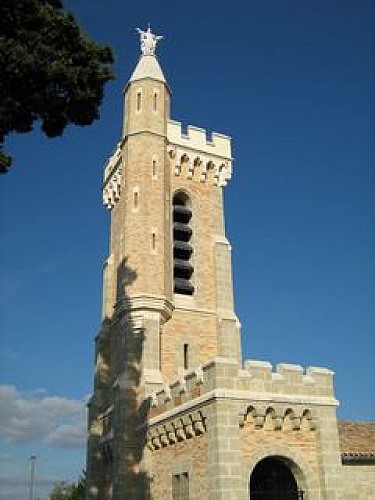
[{"x": 291, "y": 82}]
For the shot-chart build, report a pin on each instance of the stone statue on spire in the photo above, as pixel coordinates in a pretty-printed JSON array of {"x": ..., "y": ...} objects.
[{"x": 148, "y": 41}]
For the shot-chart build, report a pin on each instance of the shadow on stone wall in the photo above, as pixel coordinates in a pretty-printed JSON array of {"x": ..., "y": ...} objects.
[{"x": 115, "y": 454}]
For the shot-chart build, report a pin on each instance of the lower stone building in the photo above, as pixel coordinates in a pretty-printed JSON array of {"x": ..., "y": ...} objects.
[
  {"x": 226, "y": 432},
  {"x": 175, "y": 412}
]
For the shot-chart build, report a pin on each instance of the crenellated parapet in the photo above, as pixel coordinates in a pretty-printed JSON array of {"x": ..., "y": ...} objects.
[
  {"x": 197, "y": 157},
  {"x": 287, "y": 381},
  {"x": 284, "y": 398},
  {"x": 113, "y": 172},
  {"x": 285, "y": 395},
  {"x": 194, "y": 156},
  {"x": 182, "y": 390}
]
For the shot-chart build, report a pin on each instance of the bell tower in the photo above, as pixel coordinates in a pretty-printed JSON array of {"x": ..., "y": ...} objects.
[
  {"x": 174, "y": 413},
  {"x": 167, "y": 285},
  {"x": 203, "y": 324}
]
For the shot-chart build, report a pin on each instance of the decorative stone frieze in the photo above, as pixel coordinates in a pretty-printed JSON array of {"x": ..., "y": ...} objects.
[
  {"x": 198, "y": 158},
  {"x": 277, "y": 418},
  {"x": 174, "y": 431}
]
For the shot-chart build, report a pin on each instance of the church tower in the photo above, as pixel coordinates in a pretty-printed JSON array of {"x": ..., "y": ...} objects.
[
  {"x": 175, "y": 414},
  {"x": 167, "y": 286}
]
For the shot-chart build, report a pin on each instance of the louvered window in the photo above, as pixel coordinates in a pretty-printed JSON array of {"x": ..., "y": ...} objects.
[{"x": 182, "y": 249}]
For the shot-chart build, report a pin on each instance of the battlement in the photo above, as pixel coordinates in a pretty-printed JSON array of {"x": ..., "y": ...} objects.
[
  {"x": 287, "y": 379},
  {"x": 258, "y": 380},
  {"x": 197, "y": 139}
]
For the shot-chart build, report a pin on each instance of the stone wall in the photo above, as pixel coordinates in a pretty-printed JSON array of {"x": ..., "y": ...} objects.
[
  {"x": 247, "y": 415},
  {"x": 186, "y": 455},
  {"x": 358, "y": 482}
]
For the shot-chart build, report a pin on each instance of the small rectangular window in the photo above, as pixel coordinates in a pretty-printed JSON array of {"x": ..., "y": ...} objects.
[
  {"x": 176, "y": 487},
  {"x": 180, "y": 486}
]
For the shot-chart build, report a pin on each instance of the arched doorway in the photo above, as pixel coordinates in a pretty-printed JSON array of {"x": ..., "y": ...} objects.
[{"x": 272, "y": 479}]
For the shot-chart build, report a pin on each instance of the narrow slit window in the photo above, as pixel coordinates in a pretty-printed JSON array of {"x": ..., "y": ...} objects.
[
  {"x": 153, "y": 168},
  {"x": 186, "y": 356},
  {"x": 135, "y": 200},
  {"x": 139, "y": 101},
  {"x": 153, "y": 240},
  {"x": 155, "y": 101}
]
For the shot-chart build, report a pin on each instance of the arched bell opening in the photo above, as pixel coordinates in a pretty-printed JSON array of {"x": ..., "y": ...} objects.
[
  {"x": 182, "y": 248},
  {"x": 276, "y": 478}
]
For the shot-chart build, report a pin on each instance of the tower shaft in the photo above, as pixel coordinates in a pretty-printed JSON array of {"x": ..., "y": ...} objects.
[{"x": 167, "y": 286}]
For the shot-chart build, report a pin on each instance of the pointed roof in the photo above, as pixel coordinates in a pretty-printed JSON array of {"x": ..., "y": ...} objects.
[{"x": 147, "y": 67}]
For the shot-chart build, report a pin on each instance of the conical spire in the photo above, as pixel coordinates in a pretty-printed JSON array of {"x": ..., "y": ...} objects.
[{"x": 148, "y": 66}]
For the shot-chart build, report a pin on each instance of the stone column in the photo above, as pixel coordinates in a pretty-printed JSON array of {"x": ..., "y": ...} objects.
[
  {"x": 328, "y": 446},
  {"x": 225, "y": 467},
  {"x": 329, "y": 458}
]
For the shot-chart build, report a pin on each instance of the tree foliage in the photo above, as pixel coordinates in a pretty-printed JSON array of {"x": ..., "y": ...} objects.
[
  {"x": 50, "y": 71},
  {"x": 70, "y": 491}
]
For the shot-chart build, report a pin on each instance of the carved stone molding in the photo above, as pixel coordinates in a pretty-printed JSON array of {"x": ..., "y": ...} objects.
[
  {"x": 277, "y": 419},
  {"x": 200, "y": 166},
  {"x": 139, "y": 304},
  {"x": 180, "y": 429}
]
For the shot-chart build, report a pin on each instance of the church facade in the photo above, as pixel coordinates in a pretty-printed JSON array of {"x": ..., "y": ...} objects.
[{"x": 176, "y": 413}]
